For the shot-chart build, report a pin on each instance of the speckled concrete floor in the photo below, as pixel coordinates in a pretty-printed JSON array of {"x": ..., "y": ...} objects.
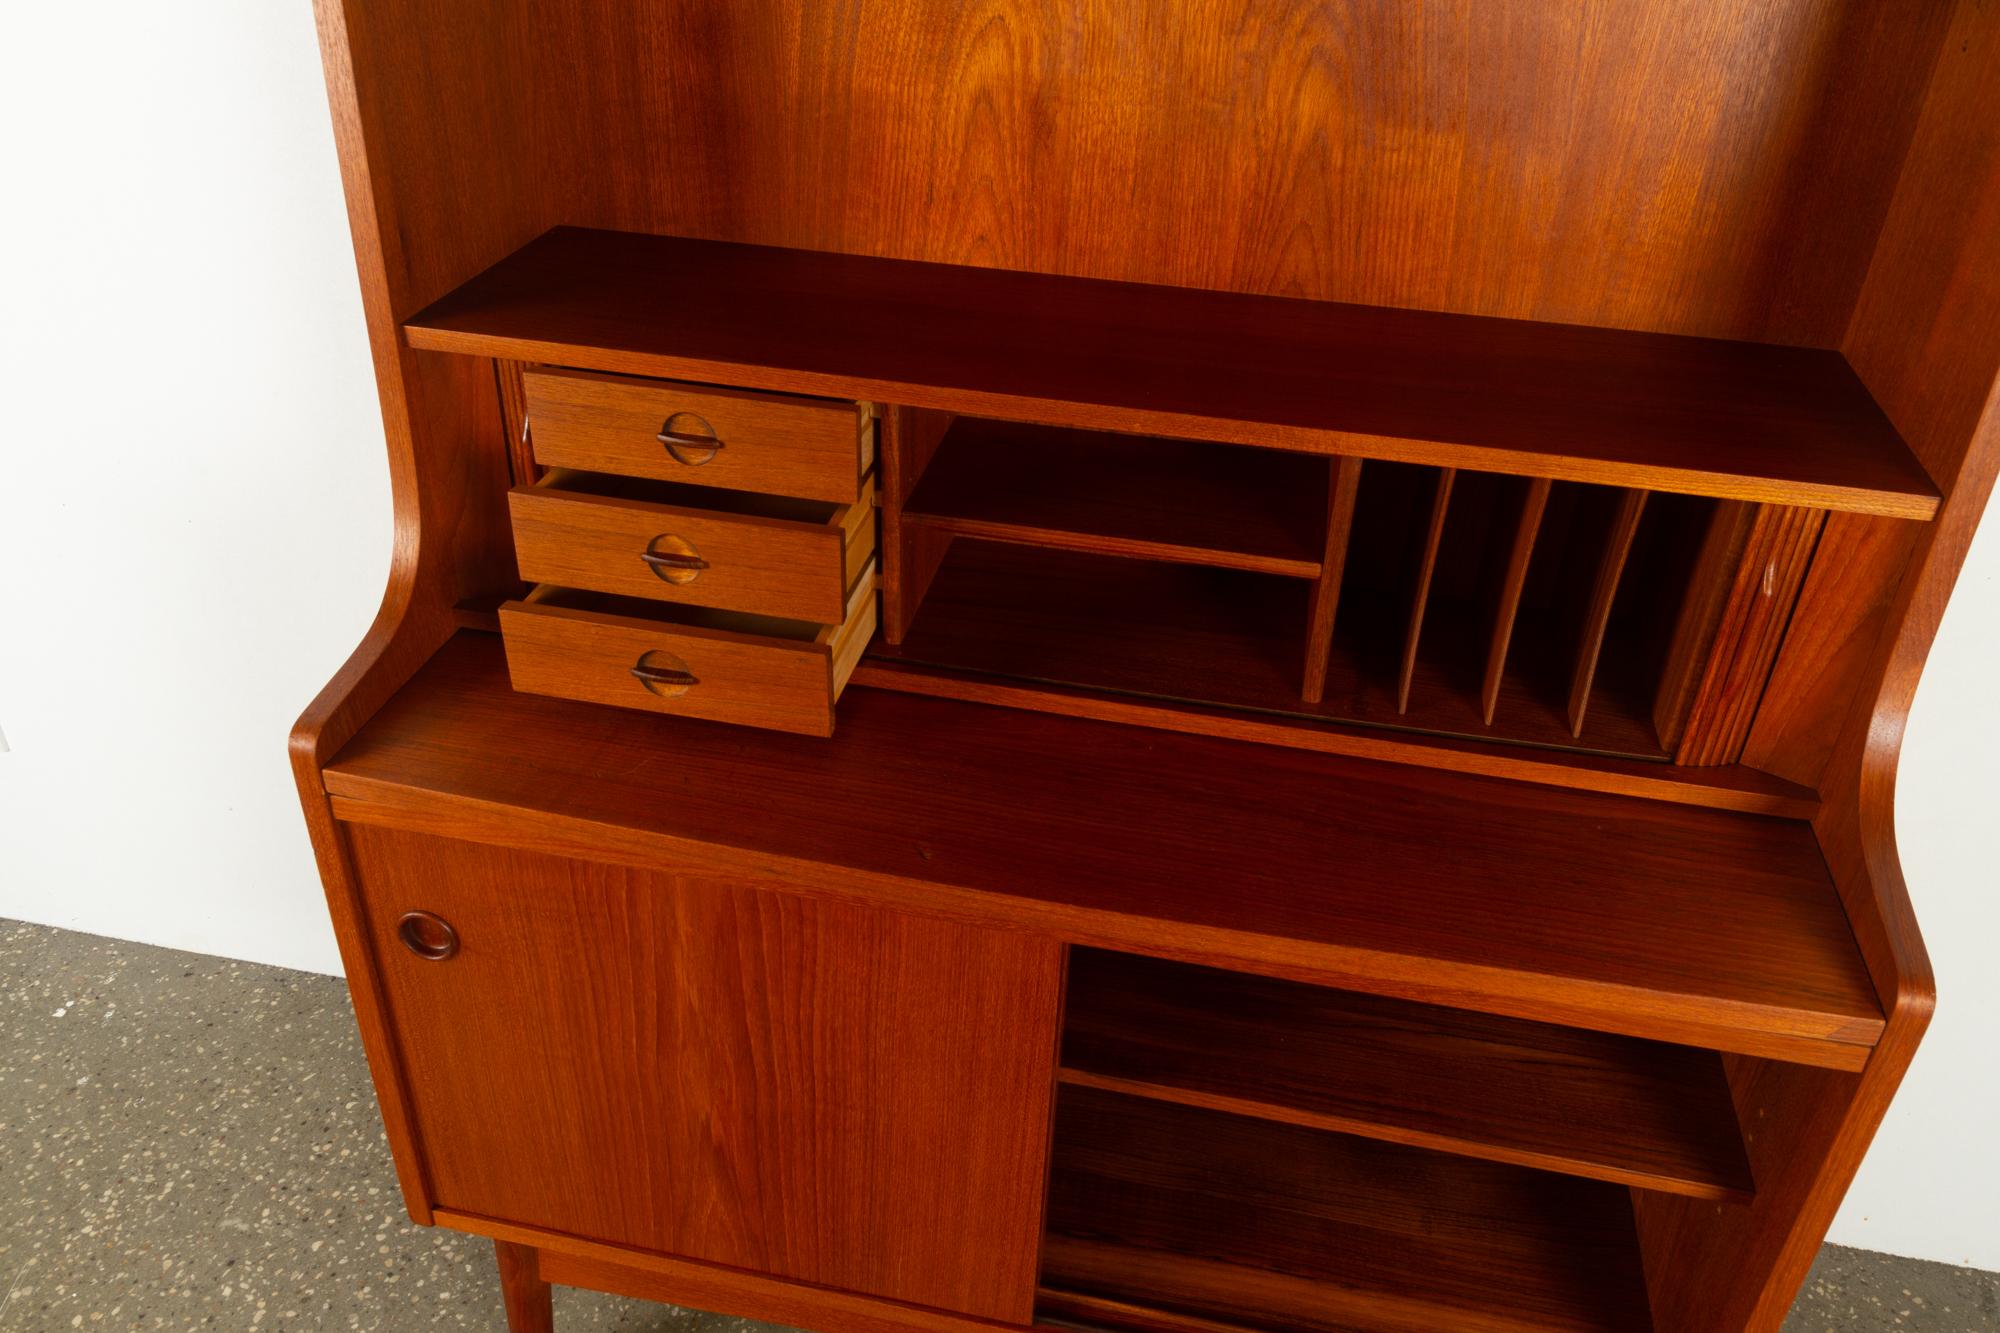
[{"x": 192, "y": 1143}]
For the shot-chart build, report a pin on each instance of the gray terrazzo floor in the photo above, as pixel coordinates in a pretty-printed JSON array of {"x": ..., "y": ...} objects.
[{"x": 192, "y": 1143}]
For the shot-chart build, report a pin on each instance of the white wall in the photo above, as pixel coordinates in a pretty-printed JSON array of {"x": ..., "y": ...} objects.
[
  {"x": 194, "y": 528},
  {"x": 1931, "y": 1184},
  {"x": 194, "y": 504}
]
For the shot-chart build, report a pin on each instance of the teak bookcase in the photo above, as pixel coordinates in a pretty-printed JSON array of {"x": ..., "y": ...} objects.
[{"x": 1173, "y": 666}]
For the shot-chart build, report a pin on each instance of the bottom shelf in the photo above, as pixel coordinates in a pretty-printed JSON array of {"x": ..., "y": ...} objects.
[{"x": 1172, "y": 1217}]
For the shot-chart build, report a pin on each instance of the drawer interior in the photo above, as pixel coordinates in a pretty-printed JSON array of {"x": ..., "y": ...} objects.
[
  {"x": 678, "y": 615},
  {"x": 679, "y": 495}
]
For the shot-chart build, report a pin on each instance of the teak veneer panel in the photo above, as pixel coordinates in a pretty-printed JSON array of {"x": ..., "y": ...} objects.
[
  {"x": 1709, "y": 417},
  {"x": 1271, "y": 1226},
  {"x": 1420, "y": 591},
  {"x": 765, "y": 555},
  {"x": 1343, "y": 490},
  {"x": 1233, "y": 640},
  {"x": 1603, "y": 595},
  {"x": 1777, "y": 554},
  {"x": 1512, "y": 582},
  {"x": 1612, "y": 1108},
  {"x": 693, "y": 1065},
  {"x": 1610, "y": 912},
  {"x": 1717, "y": 168},
  {"x": 1727, "y": 787},
  {"x": 1177, "y": 500}
]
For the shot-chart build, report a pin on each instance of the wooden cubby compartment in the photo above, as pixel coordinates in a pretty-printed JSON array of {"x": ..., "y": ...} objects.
[
  {"x": 1169, "y": 1217},
  {"x": 1239, "y": 1150},
  {"x": 1650, "y": 1114},
  {"x": 1318, "y": 590}
]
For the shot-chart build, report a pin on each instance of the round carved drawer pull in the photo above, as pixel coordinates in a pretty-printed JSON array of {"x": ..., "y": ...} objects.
[
  {"x": 664, "y": 674},
  {"x": 693, "y": 448},
  {"x": 673, "y": 558},
  {"x": 427, "y": 935}
]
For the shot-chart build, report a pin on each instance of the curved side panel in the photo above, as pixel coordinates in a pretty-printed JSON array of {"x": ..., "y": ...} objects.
[
  {"x": 1926, "y": 339},
  {"x": 440, "y": 415}
]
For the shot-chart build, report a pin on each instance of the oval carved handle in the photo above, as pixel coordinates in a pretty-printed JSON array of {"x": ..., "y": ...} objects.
[
  {"x": 427, "y": 935},
  {"x": 673, "y": 558},
  {"x": 687, "y": 447},
  {"x": 664, "y": 674}
]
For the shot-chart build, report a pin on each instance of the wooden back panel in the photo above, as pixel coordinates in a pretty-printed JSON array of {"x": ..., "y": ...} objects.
[{"x": 1719, "y": 168}]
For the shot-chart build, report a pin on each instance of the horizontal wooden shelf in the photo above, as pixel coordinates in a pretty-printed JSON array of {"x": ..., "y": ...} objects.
[
  {"x": 1627, "y": 915},
  {"x": 1174, "y": 1216},
  {"x": 1233, "y": 640},
  {"x": 1177, "y": 500},
  {"x": 1635, "y": 1112},
  {"x": 1702, "y": 416},
  {"x": 1731, "y": 787}
]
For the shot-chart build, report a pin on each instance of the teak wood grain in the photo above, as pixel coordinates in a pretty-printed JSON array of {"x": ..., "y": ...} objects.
[
  {"x": 911, "y": 552},
  {"x": 514, "y": 419},
  {"x": 702, "y": 1067},
  {"x": 1728, "y": 787},
  {"x": 1603, "y": 594},
  {"x": 1676, "y": 923},
  {"x": 774, "y": 444},
  {"x": 524, "y": 1293},
  {"x": 1229, "y": 639},
  {"x": 571, "y": 1261},
  {"x": 1843, "y": 612},
  {"x": 793, "y": 559},
  {"x": 757, "y": 671},
  {"x": 1420, "y": 591},
  {"x": 1611, "y": 1108},
  {"x": 1265, "y": 1225},
  {"x": 1718, "y": 168},
  {"x": 1783, "y": 424},
  {"x": 1776, "y": 555},
  {"x": 1513, "y": 579},
  {"x": 1696, "y": 623},
  {"x": 1343, "y": 490},
  {"x": 1177, "y": 500}
]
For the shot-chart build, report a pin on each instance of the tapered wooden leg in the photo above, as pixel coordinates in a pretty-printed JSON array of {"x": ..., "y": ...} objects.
[{"x": 529, "y": 1309}]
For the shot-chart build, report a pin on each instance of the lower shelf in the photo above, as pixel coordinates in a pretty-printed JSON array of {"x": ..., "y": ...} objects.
[
  {"x": 1173, "y": 1217},
  {"x": 1641, "y": 1113}
]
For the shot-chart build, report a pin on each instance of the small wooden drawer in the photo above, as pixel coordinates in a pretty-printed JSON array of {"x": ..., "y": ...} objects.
[
  {"x": 727, "y": 666},
  {"x": 660, "y": 540},
  {"x": 732, "y": 439}
]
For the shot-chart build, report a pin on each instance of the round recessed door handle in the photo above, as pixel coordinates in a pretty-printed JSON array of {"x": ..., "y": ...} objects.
[
  {"x": 689, "y": 439},
  {"x": 673, "y": 558},
  {"x": 664, "y": 674},
  {"x": 427, "y": 935}
]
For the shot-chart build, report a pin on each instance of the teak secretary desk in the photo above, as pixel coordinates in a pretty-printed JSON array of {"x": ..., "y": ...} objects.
[{"x": 1157, "y": 665}]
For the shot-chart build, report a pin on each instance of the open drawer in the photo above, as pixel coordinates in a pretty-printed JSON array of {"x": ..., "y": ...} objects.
[
  {"x": 668, "y": 542},
  {"x": 726, "y": 666}
]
